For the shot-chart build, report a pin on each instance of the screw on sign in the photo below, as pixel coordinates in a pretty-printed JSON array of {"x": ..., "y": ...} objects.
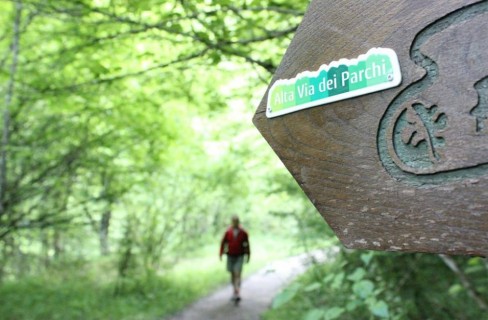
[{"x": 383, "y": 122}]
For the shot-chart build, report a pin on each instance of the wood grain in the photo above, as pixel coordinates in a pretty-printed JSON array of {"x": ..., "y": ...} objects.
[{"x": 405, "y": 169}]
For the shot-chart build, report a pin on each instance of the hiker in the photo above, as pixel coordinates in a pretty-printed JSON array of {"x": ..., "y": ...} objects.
[{"x": 235, "y": 244}]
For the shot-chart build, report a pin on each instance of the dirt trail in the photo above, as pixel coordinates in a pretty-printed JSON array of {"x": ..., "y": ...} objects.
[{"x": 257, "y": 291}]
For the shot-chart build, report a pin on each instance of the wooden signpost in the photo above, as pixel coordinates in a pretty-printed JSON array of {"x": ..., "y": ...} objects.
[{"x": 379, "y": 110}]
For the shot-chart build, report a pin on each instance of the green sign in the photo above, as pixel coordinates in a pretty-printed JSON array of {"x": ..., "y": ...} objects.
[{"x": 376, "y": 70}]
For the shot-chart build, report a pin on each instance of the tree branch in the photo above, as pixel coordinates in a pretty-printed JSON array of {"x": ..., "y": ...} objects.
[
  {"x": 270, "y": 9},
  {"x": 130, "y": 74},
  {"x": 451, "y": 264},
  {"x": 269, "y": 36}
]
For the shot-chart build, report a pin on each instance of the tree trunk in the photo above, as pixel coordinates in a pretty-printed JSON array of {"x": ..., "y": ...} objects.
[
  {"x": 57, "y": 244},
  {"x": 8, "y": 100},
  {"x": 103, "y": 234}
]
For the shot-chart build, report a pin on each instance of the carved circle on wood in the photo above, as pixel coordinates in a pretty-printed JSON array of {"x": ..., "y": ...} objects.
[{"x": 436, "y": 129}]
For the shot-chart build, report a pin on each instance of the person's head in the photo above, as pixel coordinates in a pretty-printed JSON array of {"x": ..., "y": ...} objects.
[{"x": 235, "y": 221}]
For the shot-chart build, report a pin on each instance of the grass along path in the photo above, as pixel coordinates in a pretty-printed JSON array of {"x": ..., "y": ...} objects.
[{"x": 85, "y": 290}]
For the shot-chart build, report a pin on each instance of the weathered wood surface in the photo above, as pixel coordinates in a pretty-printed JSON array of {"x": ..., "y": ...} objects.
[{"x": 405, "y": 169}]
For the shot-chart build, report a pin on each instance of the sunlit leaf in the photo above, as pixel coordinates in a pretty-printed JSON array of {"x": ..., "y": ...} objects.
[
  {"x": 455, "y": 289},
  {"x": 357, "y": 275},
  {"x": 313, "y": 287},
  {"x": 286, "y": 295},
  {"x": 363, "y": 288},
  {"x": 333, "y": 313},
  {"x": 366, "y": 258},
  {"x": 352, "y": 305},
  {"x": 379, "y": 309},
  {"x": 338, "y": 280},
  {"x": 314, "y": 314}
]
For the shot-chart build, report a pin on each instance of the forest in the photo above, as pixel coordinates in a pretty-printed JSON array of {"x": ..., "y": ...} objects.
[{"x": 127, "y": 144}]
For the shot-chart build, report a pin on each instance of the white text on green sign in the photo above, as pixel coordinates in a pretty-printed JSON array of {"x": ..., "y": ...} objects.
[{"x": 376, "y": 70}]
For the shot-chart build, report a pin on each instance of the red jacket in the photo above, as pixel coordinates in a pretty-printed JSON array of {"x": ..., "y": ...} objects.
[{"x": 235, "y": 246}]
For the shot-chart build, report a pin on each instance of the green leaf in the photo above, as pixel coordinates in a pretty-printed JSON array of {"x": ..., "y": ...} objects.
[
  {"x": 314, "y": 314},
  {"x": 352, "y": 305},
  {"x": 328, "y": 278},
  {"x": 455, "y": 289},
  {"x": 314, "y": 286},
  {"x": 474, "y": 269},
  {"x": 203, "y": 36},
  {"x": 379, "y": 309},
  {"x": 216, "y": 57},
  {"x": 334, "y": 313},
  {"x": 366, "y": 257},
  {"x": 286, "y": 295},
  {"x": 363, "y": 288},
  {"x": 475, "y": 261},
  {"x": 357, "y": 275},
  {"x": 338, "y": 279}
]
